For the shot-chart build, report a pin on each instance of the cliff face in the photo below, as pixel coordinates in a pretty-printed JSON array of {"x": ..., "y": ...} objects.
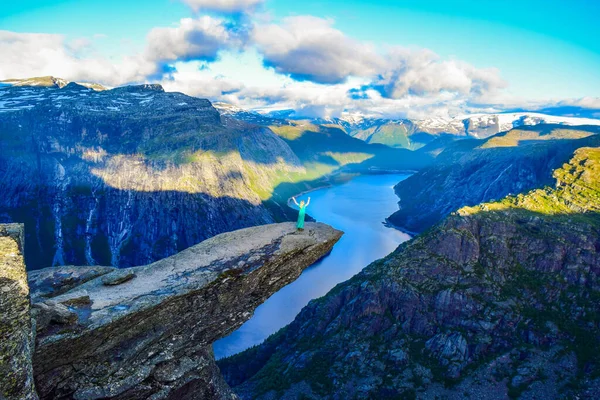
[
  {"x": 127, "y": 176},
  {"x": 146, "y": 332},
  {"x": 473, "y": 171},
  {"x": 16, "y": 337},
  {"x": 497, "y": 301}
]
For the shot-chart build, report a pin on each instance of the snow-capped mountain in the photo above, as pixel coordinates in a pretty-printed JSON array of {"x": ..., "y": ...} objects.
[
  {"x": 18, "y": 94},
  {"x": 48, "y": 81},
  {"x": 485, "y": 125},
  {"x": 252, "y": 117},
  {"x": 126, "y": 100},
  {"x": 410, "y": 133}
]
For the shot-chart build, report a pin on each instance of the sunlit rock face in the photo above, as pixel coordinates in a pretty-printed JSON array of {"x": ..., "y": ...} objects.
[
  {"x": 497, "y": 301},
  {"x": 16, "y": 336},
  {"x": 146, "y": 332},
  {"x": 127, "y": 176}
]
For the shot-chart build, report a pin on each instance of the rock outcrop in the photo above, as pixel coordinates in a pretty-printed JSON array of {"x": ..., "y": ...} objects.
[
  {"x": 146, "y": 332},
  {"x": 498, "y": 301},
  {"x": 16, "y": 336},
  {"x": 470, "y": 172}
]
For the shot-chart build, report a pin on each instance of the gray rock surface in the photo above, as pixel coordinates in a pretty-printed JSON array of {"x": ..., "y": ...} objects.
[
  {"x": 16, "y": 335},
  {"x": 49, "y": 282},
  {"x": 150, "y": 336}
]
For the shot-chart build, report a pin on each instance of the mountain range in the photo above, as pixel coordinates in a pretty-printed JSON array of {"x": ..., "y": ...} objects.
[
  {"x": 410, "y": 133},
  {"x": 469, "y": 172}
]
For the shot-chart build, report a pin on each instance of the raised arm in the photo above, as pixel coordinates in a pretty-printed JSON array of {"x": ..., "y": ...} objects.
[
  {"x": 295, "y": 202},
  {"x": 308, "y": 202}
]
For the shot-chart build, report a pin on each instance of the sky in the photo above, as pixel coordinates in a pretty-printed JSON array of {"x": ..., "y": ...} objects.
[{"x": 403, "y": 58}]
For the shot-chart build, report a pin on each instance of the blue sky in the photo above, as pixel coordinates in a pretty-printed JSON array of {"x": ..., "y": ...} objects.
[{"x": 544, "y": 51}]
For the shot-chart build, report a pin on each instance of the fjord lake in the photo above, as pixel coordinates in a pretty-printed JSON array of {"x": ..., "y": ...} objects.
[{"x": 358, "y": 207}]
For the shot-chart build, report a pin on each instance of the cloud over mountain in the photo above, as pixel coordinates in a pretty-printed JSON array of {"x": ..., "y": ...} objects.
[
  {"x": 193, "y": 39},
  {"x": 422, "y": 72},
  {"x": 38, "y": 54},
  {"x": 32, "y": 54},
  {"x": 302, "y": 62},
  {"x": 309, "y": 48}
]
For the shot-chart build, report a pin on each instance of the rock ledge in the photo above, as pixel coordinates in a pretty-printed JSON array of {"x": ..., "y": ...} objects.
[{"x": 149, "y": 333}]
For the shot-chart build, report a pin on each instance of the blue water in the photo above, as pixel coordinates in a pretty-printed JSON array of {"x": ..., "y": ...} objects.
[{"x": 359, "y": 208}]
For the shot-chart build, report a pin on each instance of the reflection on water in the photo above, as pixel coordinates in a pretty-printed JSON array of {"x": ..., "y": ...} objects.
[{"x": 359, "y": 208}]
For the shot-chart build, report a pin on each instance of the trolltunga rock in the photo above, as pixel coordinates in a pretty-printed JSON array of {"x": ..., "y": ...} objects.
[{"x": 149, "y": 336}]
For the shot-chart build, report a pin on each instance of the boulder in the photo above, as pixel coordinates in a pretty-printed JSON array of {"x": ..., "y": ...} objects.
[{"x": 52, "y": 281}]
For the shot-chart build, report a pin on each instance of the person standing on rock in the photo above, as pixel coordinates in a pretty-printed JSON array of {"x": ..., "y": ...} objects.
[{"x": 301, "y": 213}]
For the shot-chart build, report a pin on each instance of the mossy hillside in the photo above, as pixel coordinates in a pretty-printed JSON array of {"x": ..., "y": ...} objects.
[
  {"x": 576, "y": 194},
  {"x": 295, "y": 130}
]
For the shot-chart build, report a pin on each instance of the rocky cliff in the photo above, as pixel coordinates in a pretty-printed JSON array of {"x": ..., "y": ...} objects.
[
  {"x": 146, "y": 332},
  {"x": 16, "y": 336},
  {"x": 498, "y": 301},
  {"x": 127, "y": 176},
  {"x": 469, "y": 172}
]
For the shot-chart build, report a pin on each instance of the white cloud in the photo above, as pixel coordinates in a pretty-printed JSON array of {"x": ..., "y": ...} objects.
[
  {"x": 240, "y": 79},
  {"x": 227, "y": 6},
  {"x": 302, "y": 63},
  {"x": 32, "y": 54},
  {"x": 193, "y": 39},
  {"x": 420, "y": 84},
  {"x": 38, "y": 54},
  {"x": 422, "y": 72},
  {"x": 584, "y": 102},
  {"x": 309, "y": 48},
  {"x": 79, "y": 45},
  {"x": 193, "y": 81}
]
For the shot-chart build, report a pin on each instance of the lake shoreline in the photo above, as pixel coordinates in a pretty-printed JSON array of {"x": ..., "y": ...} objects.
[
  {"x": 348, "y": 177},
  {"x": 401, "y": 229},
  {"x": 359, "y": 207}
]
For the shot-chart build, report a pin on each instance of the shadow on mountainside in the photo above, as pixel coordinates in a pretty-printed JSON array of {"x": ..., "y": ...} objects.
[
  {"x": 124, "y": 228},
  {"x": 332, "y": 146},
  {"x": 127, "y": 188}
]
